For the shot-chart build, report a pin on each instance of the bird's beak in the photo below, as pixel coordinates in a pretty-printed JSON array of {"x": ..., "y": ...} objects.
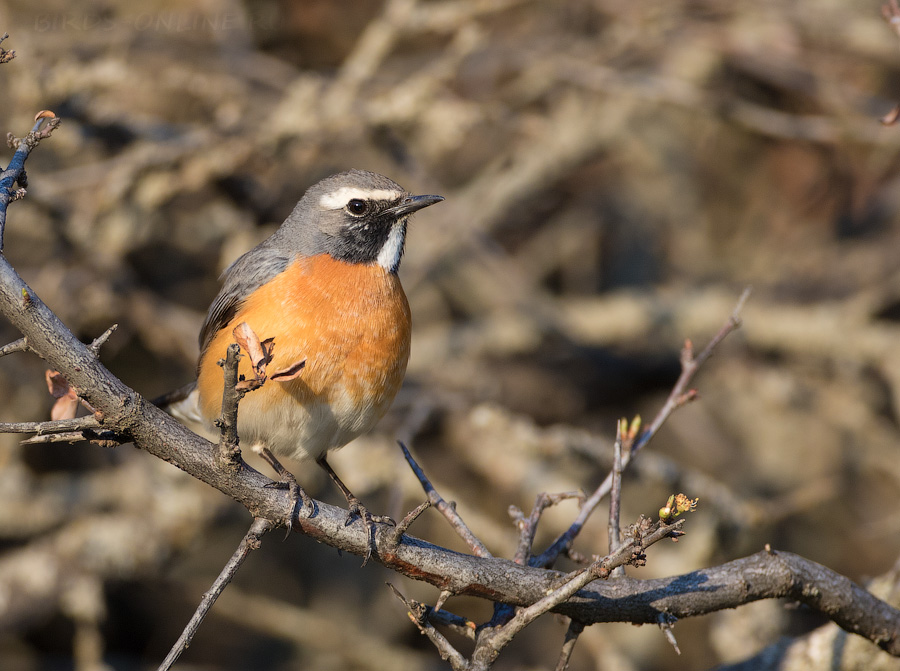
[{"x": 412, "y": 204}]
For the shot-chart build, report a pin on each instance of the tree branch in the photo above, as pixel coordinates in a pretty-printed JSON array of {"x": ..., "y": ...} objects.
[
  {"x": 679, "y": 395},
  {"x": 249, "y": 542},
  {"x": 763, "y": 575},
  {"x": 760, "y": 576}
]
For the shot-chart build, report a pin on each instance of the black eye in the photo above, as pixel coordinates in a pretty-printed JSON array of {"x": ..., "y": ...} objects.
[{"x": 357, "y": 207}]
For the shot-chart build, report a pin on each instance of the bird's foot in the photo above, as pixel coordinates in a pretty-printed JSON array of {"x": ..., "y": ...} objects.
[
  {"x": 289, "y": 482},
  {"x": 298, "y": 496},
  {"x": 357, "y": 510}
]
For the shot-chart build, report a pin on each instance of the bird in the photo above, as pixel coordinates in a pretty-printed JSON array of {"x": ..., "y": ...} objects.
[{"x": 324, "y": 287}]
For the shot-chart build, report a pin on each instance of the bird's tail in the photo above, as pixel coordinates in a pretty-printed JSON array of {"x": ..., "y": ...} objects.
[{"x": 184, "y": 405}]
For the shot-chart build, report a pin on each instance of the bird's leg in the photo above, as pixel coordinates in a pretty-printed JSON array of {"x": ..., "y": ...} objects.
[
  {"x": 356, "y": 508},
  {"x": 287, "y": 481}
]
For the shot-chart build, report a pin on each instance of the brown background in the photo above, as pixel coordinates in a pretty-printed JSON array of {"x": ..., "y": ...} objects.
[{"x": 615, "y": 173}]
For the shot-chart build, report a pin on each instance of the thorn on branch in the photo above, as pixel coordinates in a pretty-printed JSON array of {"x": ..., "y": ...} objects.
[
  {"x": 442, "y": 599},
  {"x": 687, "y": 397},
  {"x": 20, "y": 345},
  {"x": 100, "y": 340},
  {"x": 404, "y": 524},
  {"x": 666, "y": 623}
]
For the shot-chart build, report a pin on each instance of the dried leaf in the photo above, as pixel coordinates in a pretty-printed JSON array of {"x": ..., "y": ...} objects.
[
  {"x": 891, "y": 117},
  {"x": 58, "y": 385},
  {"x": 260, "y": 353},
  {"x": 288, "y": 373},
  {"x": 66, "y": 399},
  {"x": 249, "y": 342},
  {"x": 64, "y": 408},
  {"x": 249, "y": 385}
]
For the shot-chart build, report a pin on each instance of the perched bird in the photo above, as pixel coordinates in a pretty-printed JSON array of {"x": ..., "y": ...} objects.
[{"x": 324, "y": 286}]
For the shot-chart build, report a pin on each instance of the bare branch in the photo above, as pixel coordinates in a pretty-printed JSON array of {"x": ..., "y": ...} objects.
[
  {"x": 250, "y": 542},
  {"x": 615, "y": 494},
  {"x": 528, "y": 526},
  {"x": 678, "y": 396},
  {"x": 630, "y": 552},
  {"x": 448, "y": 510},
  {"x": 418, "y": 614},
  {"x": 229, "y": 453},
  {"x": 15, "y": 171},
  {"x": 572, "y": 634},
  {"x": 404, "y": 524},
  {"x": 56, "y": 426}
]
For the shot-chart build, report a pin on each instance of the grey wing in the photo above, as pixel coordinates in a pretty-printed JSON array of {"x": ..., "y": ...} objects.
[{"x": 241, "y": 279}]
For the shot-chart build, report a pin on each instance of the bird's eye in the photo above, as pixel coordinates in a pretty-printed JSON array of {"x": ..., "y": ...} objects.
[{"x": 357, "y": 207}]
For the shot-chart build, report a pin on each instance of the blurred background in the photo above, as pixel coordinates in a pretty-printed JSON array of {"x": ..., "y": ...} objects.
[{"x": 615, "y": 172}]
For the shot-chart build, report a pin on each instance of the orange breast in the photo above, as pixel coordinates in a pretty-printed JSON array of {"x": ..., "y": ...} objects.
[{"x": 350, "y": 322}]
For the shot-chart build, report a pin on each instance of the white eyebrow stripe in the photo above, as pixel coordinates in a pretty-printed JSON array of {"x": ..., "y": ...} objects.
[{"x": 338, "y": 199}]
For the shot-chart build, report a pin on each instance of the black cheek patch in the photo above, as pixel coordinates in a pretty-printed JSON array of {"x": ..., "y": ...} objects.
[{"x": 361, "y": 243}]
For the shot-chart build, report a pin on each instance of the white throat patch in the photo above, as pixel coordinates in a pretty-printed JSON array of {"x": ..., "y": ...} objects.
[
  {"x": 389, "y": 256},
  {"x": 340, "y": 197}
]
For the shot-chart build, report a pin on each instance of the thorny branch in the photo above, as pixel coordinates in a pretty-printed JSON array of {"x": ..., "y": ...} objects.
[
  {"x": 775, "y": 574},
  {"x": 448, "y": 510},
  {"x": 250, "y": 542},
  {"x": 679, "y": 395},
  {"x": 15, "y": 171}
]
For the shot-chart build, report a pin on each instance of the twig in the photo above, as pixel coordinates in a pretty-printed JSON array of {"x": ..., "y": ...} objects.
[
  {"x": 631, "y": 551},
  {"x": 250, "y": 542},
  {"x": 418, "y": 614},
  {"x": 20, "y": 345},
  {"x": 460, "y": 625},
  {"x": 15, "y": 171},
  {"x": 572, "y": 634},
  {"x": 447, "y": 510},
  {"x": 103, "y": 438},
  {"x": 528, "y": 526},
  {"x": 55, "y": 426},
  {"x": 615, "y": 497},
  {"x": 677, "y": 398},
  {"x": 6, "y": 56},
  {"x": 229, "y": 453},
  {"x": 404, "y": 524},
  {"x": 666, "y": 623},
  {"x": 615, "y": 493}
]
